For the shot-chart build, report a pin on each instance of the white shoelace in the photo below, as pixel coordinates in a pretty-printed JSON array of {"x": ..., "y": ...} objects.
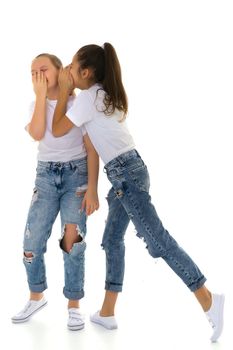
[{"x": 211, "y": 322}]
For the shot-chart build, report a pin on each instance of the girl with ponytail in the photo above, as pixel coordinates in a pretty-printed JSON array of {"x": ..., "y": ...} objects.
[{"x": 101, "y": 109}]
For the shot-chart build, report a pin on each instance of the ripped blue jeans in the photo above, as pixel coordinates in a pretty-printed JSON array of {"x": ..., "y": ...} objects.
[
  {"x": 56, "y": 188},
  {"x": 129, "y": 199}
]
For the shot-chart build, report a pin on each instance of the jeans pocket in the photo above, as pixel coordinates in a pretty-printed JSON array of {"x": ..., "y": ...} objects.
[
  {"x": 81, "y": 169},
  {"x": 41, "y": 171}
]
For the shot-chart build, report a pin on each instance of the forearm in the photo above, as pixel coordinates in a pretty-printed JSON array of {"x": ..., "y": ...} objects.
[
  {"x": 59, "y": 112},
  {"x": 93, "y": 170},
  {"x": 37, "y": 125}
]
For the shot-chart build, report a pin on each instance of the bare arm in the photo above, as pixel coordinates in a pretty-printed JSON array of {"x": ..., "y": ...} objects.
[
  {"x": 90, "y": 201},
  {"x": 62, "y": 124},
  {"x": 36, "y": 127},
  {"x": 93, "y": 164}
]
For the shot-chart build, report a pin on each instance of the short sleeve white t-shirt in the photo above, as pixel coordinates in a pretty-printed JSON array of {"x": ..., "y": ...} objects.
[
  {"x": 63, "y": 149},
  {"x": 108, "y": 134}
]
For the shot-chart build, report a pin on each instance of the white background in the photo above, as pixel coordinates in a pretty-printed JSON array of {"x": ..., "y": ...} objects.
[{"x": 177, "y": 66}]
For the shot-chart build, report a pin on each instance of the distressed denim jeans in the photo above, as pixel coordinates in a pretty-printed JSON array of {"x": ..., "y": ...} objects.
[
  {"x": 55, "y": 191},
  {"x": 129, "y": 199}
]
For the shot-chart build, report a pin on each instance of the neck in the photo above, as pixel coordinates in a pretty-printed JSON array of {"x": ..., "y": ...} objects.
[
  {"x": 88, "y": 84},
  {"x": 52, "y": 94}
]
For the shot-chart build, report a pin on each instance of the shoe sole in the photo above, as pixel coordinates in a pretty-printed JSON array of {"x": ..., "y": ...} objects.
[
  {"x": 22, "y": 320},
  {"x": 76, "y": 328},
  {"x": 215, "y": 336}
]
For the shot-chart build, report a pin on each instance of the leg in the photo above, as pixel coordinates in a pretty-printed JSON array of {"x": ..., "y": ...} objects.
[
  {"x": 71, "y": 237},
  {"x": 204, "y": 297},
  {"x": 134, "y": 196},
  {"x": 108, "y": 307},
  {"x": 73, "y": 245},
  {"x": 133, "y": 192},
  {"x": 42, "y": 214},
  {"x": 72, "y": 242},
  {"x": 114, "y": 246}
]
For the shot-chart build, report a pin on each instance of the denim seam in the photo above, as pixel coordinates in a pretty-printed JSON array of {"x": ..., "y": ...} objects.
[{"x": 181, "y": 267}]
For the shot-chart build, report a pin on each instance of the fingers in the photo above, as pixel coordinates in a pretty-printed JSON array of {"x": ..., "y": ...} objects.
[
  {"x": 64, "y": 72},
  {"x": 89, "y": 204},
  {"x": 65, "y": 79},
  {"x": 39, "y": 82},
  {"x": 83, "y": 204},
  {"x": 91, "y": 208},
  {"x": 39, "y": 77},
  {"x": 67, "y": 67},
  {"x": 33, "y": 78}
]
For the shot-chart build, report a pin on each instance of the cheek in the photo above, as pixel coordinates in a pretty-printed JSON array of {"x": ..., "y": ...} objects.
[
  {"x": 74, "y": 78},
  {"x": 51, "y": 79}
]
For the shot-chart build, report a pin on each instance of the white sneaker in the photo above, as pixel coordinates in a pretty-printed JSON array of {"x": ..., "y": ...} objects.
[
  {"x": 76, "y": 319},
  {"x": 108, "y": 322},
  {"x": 215, "y": 315},
  {"x": 30, "y": 309}
]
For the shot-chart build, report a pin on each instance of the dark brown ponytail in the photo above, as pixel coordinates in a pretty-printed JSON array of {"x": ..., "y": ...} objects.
[{"x": 107, "y": 71}]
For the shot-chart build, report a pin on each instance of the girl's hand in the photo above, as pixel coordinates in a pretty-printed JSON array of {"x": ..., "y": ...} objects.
[
  {"x": 65, "y": 81},
  {"x": 90, "y": 202},
  {"x": 40, "y": 84}
]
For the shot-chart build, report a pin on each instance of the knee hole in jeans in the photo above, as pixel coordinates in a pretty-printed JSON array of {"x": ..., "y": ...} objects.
[
  {"x": 28, "y": 257},
  {"x": 71, "y": 234}
]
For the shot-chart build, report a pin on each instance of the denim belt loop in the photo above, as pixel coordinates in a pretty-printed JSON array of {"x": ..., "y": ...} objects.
[{"x": 121, "y": 160}]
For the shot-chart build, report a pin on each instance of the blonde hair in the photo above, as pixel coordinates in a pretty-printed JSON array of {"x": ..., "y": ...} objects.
[{"x": 54, "y": 59}]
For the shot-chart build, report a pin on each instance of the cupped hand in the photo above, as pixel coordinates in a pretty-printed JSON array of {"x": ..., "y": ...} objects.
[
  {"x": 65, "y": 80},
  {"x": 40, "y": 84}
]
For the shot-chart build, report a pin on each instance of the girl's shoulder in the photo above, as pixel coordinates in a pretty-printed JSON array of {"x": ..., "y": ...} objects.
[{"x": 94, "y": 93}]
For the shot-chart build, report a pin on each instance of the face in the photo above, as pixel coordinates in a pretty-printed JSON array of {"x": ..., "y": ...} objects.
[
  {"x": 81, "y": 77},
  {"x": 43, "y": 64},
  {"x": 75, "y": 72}
]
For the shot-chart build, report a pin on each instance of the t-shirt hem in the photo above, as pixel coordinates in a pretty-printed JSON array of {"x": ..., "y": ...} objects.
[
  {"x": 124, "y": 150},
  {"x": 61, "y": 159}
]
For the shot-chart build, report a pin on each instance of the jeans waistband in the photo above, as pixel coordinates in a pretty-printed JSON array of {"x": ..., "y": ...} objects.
[
  {"x": 122, "y": 159},
  {"x": 70, "y": 165}
]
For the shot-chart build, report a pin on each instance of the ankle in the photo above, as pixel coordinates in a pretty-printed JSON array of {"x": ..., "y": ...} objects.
[
  {"x": 36, "y": 296},
  {"x": 204, "y": 297},
  {"x": 105, "y": 312},
  {"x": 73, "y": 304},
  {"x": 207, "y": 303}
]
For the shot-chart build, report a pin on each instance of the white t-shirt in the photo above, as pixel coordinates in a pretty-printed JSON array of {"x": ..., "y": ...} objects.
[
  {"x": 109, "y": 136},
  {"x": 64, "y": 148}
]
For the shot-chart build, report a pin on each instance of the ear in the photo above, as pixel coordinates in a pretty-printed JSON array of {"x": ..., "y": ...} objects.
[{"x": 85, "y": 73}]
